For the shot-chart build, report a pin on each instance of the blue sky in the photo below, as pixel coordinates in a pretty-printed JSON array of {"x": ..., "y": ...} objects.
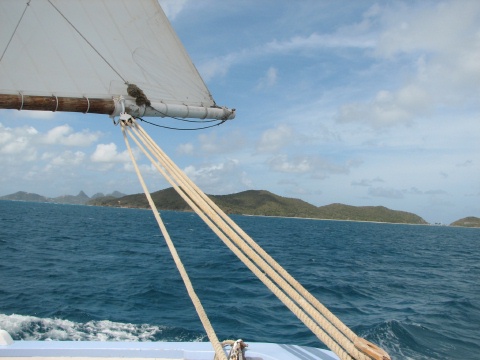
[{"x": 359, "y": 102}]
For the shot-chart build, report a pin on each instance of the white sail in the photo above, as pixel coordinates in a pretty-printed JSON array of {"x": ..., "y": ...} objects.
[{"x": 93, "y": 49}]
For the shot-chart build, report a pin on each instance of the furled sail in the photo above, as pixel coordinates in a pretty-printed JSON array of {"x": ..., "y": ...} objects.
[{"x": 92, "y": 50}]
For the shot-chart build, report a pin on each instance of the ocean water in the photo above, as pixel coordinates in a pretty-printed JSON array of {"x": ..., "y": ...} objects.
[{"x": 91, "y": 273}]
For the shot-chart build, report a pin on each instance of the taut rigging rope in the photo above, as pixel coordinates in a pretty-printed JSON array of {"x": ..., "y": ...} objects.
[
  {"x": 188, "y": 284},
  {"x": 88, "y": 42},
  {"x": 328, "y": 328}
]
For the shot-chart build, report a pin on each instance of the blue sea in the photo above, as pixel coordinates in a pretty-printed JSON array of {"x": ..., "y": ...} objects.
[{"x": 91, "y": 273}]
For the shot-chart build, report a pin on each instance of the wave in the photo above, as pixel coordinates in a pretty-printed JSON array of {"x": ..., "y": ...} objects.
[
  {"x": 22, "y": 327},
  {"x": 400, "y": 339},
  {"x": 408, "y": 340}
]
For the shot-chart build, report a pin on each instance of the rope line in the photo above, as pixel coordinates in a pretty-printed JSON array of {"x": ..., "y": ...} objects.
[
  {"x": 328, "y": 328},
  {"x": 15, "y": 30},
  {"x": 220, "y": 122},
  {"x": 226, "y": 235},
  {"x": 219, "y": 352},
  {"x": 88, "y": 42}
]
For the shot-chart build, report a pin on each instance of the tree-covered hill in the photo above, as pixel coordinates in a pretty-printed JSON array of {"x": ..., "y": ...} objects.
[
  {"x": 261, "y": 202},
  {"x": 470, "y": 221}
]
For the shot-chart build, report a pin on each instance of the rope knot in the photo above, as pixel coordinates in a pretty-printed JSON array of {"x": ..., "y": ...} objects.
[{"x": 237, "y": 349}]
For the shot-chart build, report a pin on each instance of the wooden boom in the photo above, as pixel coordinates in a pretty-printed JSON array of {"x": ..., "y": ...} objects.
[
  {"x": 112, "y": 107},
  {"x": 54, "y": 103}
]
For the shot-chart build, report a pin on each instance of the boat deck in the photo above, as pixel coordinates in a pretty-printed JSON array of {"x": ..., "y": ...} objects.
[{"x": 78, "y": 350}]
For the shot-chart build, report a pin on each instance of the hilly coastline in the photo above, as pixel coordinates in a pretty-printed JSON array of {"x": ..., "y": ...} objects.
[
  {"x": 265, "y": 203},
  {"x": 250, "y": 202},
  {"x": 80, "y": 199}
]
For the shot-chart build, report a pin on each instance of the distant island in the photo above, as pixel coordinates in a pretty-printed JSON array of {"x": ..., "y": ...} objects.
[
  {"x": 470, "y": 221},
  {"x": 80, "y": 199},
  {"x": 250, "y": 202},
  {"x": 265, "y": 203}
]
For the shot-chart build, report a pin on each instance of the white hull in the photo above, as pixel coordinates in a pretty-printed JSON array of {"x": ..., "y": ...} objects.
[{"x": 78, "y": 350}]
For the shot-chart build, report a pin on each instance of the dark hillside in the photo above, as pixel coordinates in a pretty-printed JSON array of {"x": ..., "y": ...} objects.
[
  {"x": 262, "y": 202},
  {"x": 368, "y": 213}
]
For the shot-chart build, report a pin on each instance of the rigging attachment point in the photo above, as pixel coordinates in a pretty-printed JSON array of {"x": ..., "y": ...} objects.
[
  {"x": 126, "y": 119},
  {"x": 237, "y": 349},
  {"x": 56, "y": 105},
  {"x": 21, "y": 105},
  {"x": 88, "y": 104}
]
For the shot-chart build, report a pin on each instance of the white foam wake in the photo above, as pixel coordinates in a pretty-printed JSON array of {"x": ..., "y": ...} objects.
[{"x": 35, "y": 328}]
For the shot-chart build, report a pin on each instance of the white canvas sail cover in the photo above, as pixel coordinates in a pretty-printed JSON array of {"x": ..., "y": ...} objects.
[{"x": 92, "y": 49}]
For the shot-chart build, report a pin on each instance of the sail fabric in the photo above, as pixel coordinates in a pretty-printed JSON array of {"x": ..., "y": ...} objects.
[{"x": 92, "y": 49}]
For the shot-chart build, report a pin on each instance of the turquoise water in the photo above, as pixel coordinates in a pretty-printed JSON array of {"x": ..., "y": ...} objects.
[{"x": 89, "y": 273}]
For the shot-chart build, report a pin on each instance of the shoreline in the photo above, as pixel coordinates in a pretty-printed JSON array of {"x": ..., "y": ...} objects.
[{"x": 254, "y": 215}]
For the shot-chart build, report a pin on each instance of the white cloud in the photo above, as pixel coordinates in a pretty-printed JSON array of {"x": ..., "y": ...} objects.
[
  {"x": 316, "y": 166},
  {"x": 320, "y": 41},
  {"x": 269, "y": 79},
  {"x": 220, "y": 65},
  {"x": 281, "y": 163},
  {"x": 367, "y": 182},
  {"x": 107, "y": 153},
  {"x": 276, "y": 138},
  {"x": 185, "y": 149},
  {"x": 441, "y": 28},
  {"x": 57, "y": 134},
  {"x": 388, "y": 109},
  {"x": 386, "y": 193},
  {"x": 392, "y": 193},
  {"x": 65, "y": 135},
  {"x": 246, "y": 180},
  {"x": 145, "y": 169},
  {"x": 217, "y": 178},
  {"x": 443, "y": 45},
  {"x": 66, "y": 159},
  {"x": 16, "y": 144}
]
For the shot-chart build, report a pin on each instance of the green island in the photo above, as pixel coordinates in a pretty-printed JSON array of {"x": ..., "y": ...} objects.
[
  {"x": 250, "y": 202},
  {"x": 265, "y": 203},
  {"x": 470, "y": 221}
]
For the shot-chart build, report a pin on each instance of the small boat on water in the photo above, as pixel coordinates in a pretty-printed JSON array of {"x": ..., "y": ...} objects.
[{"x": 123, "y": 59}]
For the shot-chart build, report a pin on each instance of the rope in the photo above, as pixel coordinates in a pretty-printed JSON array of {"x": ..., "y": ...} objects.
[
  {"x": 219, "y": 353},
  {"x": 88, "y": 42},
  {"x": 220, "y": 122},
  {"x": 237, "y": 349},
  {"x": 15, "y": 30},
  {"x": 329, "y": 329}
]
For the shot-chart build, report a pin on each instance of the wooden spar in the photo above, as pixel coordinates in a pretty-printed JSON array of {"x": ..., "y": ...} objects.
[
  {"x": 53, "y": 103},
  {"x": 111, "y": 107}
]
